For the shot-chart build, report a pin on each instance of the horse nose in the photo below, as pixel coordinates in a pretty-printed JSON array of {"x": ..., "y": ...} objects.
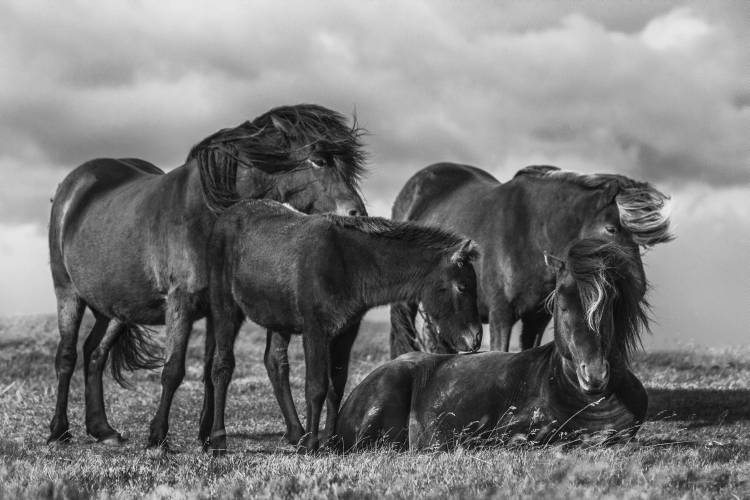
[{"x": 594, "y": 376}]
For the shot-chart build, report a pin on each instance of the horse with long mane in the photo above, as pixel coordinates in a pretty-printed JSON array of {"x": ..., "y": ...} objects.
[
  {"x": 316, "y": 275},
  {"x": 129, "y": 242},
  {"x": 542, "y": 209},
  {"x": 578, "y": 384}
]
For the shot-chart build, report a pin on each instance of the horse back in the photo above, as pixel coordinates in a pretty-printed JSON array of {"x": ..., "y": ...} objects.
[{"x": 441, "y": 184}]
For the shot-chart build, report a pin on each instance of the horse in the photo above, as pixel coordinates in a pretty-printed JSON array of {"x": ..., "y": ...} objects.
[
  {"x": 315, "y": 275},
  {"x": 542, "y": 209},
  {"x": 578, "y": 386},
  {"x": 128, "y": 241}
]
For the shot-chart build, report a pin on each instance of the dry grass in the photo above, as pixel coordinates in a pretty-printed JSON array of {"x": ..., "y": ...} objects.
[{"x": 696, "y": 443}]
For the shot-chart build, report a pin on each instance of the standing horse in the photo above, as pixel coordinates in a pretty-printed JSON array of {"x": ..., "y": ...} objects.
[
  {"x": 129, "y": 242},
  {"x": 579, "y": 383},
  {"x": 316, "y": 275},
  {"x": 542, "y": 209}
]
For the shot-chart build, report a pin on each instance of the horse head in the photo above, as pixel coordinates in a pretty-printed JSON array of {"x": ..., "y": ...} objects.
[
  {"x": 450, "y": 299},
  {"x": 598, "y": 309},
  {"x": 305, "y": 155}
]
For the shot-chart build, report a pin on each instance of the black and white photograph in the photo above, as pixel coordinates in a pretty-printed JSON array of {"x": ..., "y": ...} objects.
[{"x": 375, "y": 249}]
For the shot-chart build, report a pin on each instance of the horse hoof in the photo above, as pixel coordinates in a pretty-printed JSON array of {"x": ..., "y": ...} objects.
[
  {"x": 293, "y": 437},
  {"x": 114, "y": 441},
  {"x": 307, "y": 446},
  {"x": 59, "y": 439}
]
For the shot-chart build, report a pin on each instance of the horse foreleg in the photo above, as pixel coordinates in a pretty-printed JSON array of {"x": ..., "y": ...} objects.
[
  {"x": 225, "y": 332},
  {"x": 501, "y": 325},
  {"x": 70, "y": 309},
  {"x": 533, "y": 329},
  {"x": 207, "y": 411},
  {"x": 317, "y": 362},
  {"x": 96, "y": 351},
  {"x": 179, "y": 320},
  {"x": 340, "y": 348},
  {"x": 403, "y": 332},
  {"x": 276, "y": 360}
]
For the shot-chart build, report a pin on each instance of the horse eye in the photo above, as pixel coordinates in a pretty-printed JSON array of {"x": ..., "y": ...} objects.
[
  {"x": 460, "y": 288},
  {"x": 611, "y": 229}
]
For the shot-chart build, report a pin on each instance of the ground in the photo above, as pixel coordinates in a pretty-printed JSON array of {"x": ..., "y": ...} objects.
[{"x": 695, "y": 444}]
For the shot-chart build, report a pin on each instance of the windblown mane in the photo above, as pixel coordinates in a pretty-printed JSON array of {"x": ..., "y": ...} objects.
[
  {"x": 643, "y": 209},
  {"x": 602, "y": 270},
  {"x": 418, "y": 235},
  {"x": 261, "y": 144}
]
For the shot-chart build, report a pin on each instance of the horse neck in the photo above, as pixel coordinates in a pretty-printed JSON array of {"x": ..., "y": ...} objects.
[
  {"x": 186, "y": 180},
  {"x": 394, "y": 270}
]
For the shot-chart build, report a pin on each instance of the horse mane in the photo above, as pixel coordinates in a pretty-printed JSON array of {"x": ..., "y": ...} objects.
[
  {"x": 266, "y": 144},
  {"x": 417, "y": 235},
  {"x": 643, "y": 208},
  {"x": 603, "y": 272}
]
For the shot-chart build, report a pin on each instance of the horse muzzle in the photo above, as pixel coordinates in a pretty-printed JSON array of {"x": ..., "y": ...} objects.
[
  {"x": 593, "y": 377},
  {"x": 471, "y": 339}
]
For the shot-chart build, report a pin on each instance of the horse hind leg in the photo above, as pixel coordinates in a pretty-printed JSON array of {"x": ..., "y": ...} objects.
[
  {"x": 70, "y": 308},
  {"x": 96, "y": 350}
]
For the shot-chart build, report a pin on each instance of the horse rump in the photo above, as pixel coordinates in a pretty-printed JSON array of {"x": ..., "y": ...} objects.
[{"x": 134, "y": 349}]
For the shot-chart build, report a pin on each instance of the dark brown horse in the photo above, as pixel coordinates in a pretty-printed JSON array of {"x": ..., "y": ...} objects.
[
  {"x": 129, "y": 242},
  {"x": 542, "y": 209},
  {"x": 578, "y": 384},
  {"x": 316, "y": 275}
]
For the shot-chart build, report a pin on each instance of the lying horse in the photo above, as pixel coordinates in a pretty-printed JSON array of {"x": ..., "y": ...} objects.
[
  {"x": 316, "y": 275},
  {"x": 541, "y": 209},
  {"x": 129, "y": 242},
  {"x": 580, "y": 383}
]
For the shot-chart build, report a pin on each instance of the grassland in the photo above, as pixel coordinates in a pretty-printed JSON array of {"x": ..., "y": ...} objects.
[{"x": 696, "y": 443}]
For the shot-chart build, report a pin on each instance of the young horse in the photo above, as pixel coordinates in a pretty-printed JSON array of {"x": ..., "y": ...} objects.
[
  {"x": 315, "y": 275},
  {"x": 578, "y": 383},
  {"x": 129, "y": 242},
  {"x": 541, "y": 209}
]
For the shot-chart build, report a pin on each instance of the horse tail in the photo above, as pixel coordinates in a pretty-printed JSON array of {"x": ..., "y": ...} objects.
[{"x": 134, "y": 349}]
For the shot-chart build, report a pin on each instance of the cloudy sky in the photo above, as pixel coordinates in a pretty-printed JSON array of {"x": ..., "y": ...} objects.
[{"x": 659, "y": 91}]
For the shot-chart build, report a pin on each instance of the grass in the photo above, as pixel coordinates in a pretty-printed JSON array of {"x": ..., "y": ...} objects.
[{"x": 695, "y": 444}]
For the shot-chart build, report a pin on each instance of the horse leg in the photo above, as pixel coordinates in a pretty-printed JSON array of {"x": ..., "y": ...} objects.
[
  {"x": 276, "y": 360},
  {"x": 70, "y": 309},
  {"x": 501, "y": 324},
  {"x": 317, "y": 353},
  {"x": 533, "y": 329},
  {"x": 340, "y": 348},
  {"x": 179, "y": 319},
  {"x": 95, "y": 354},
  {"x": 207, "y": 411},
  {"x": 226, "y": 328},
  {"x": 403, "y": 334}
]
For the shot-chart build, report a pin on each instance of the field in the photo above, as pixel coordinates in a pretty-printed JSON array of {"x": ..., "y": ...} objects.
[{"x": 695, "y": 444}]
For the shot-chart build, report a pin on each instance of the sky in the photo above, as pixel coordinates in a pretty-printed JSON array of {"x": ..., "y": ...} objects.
[{"x": 658, "y": 91}]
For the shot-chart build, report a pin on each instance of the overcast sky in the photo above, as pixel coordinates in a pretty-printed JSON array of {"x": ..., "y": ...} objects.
[{"x": 659, "y": 91}]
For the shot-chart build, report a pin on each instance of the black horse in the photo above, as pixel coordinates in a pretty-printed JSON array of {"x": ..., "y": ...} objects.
[
  {"x": 542, "y": 209},
  {"x": 317, "y": 275},
  {"x": 578, "y": 384},
  {"x": 129, "y": 242}
]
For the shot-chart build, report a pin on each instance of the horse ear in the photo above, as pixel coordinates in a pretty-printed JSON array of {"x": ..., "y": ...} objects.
[
  {"x": 554, "y": 263},
  {"x": 467, "y": 252}
]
